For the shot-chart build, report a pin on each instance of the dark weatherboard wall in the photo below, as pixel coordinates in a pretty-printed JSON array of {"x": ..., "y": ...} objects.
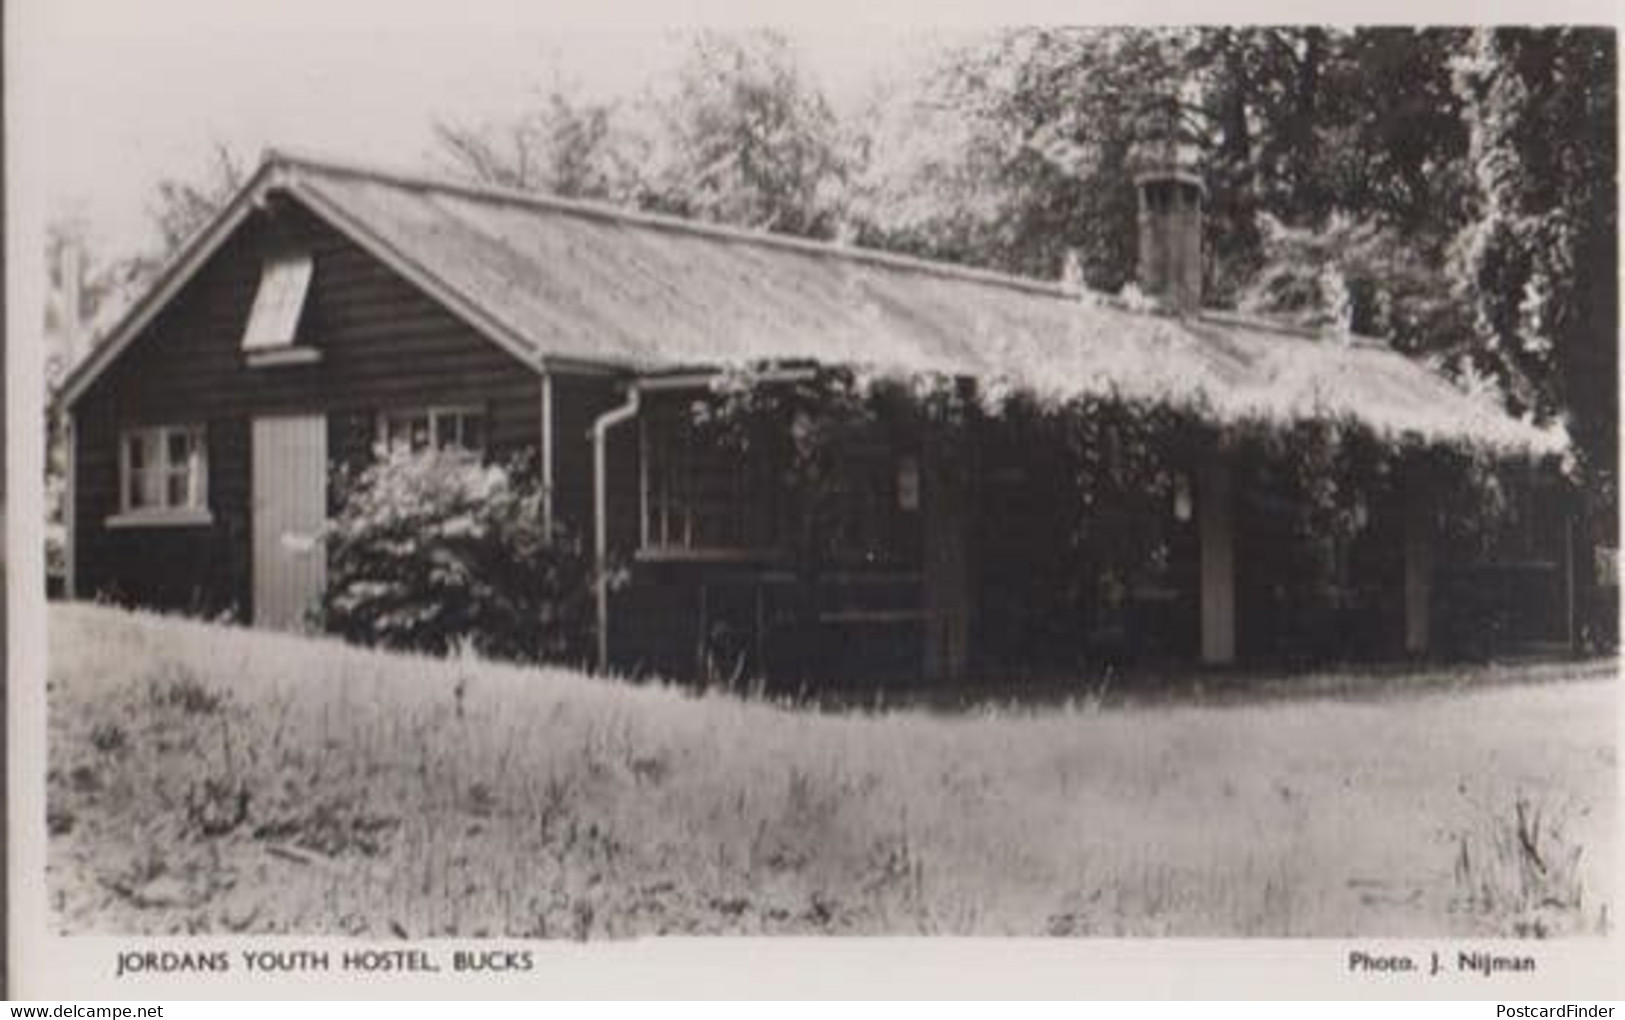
[{"x": 384, "y": 345}]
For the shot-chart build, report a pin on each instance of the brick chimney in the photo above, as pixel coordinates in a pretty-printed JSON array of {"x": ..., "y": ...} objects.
[{"x": 1168, "y": 183}]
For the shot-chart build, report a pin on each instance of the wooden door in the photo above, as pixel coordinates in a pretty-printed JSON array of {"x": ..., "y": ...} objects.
[{"x": 290, "y": 507}]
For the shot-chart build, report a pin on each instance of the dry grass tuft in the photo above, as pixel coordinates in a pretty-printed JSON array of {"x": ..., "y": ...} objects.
[
  {"x": 215, "y": 779},
  {"x": 1520, "y": 873}
]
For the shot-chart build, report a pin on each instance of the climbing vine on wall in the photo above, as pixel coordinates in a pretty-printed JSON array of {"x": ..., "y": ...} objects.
[{"x": 1124, "y": 471}]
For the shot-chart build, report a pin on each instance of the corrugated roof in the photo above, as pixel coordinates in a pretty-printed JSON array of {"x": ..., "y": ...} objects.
[
  {"x": 593, "y": 283},
  {"x": 590, "y": 282}
]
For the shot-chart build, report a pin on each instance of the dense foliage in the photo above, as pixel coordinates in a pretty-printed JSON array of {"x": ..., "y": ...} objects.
[
  {"x": 1302, "y": 129},
  {"x": 739, "y": 135},
  {"x": 1114, "y": 482},
  {"x": 1542, "y": 264},
  {"x": 433, "y": 551}
]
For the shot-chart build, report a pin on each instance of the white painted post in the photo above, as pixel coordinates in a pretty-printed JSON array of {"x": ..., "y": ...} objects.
[
  {"x": 1218, "y": 563},
  {"x": 547, "y": 455}
]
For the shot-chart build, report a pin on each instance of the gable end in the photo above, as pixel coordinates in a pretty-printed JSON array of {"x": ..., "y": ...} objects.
[{"x": 270, "y": 182}]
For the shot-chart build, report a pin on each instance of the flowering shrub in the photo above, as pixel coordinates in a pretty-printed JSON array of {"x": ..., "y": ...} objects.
[{"x": 430, "y": 552}]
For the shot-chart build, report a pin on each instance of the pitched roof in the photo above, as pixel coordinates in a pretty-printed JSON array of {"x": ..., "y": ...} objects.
[{"x": 557, "y": 280}]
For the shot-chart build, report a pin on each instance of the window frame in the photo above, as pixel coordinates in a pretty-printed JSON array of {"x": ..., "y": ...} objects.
[
  {"x": 195, "y": 509},
  {"x": 652, "y": 493},
  {"x": 870, "y": 491},
  {"x": 433, "y": 415},
  {"x": 280, "y": 298}
]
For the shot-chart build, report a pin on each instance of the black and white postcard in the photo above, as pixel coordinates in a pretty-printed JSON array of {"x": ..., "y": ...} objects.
[{"x": 514, "y": 503}]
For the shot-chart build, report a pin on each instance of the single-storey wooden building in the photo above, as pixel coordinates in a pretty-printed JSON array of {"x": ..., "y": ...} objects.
[{"x": 329, "y": 307}]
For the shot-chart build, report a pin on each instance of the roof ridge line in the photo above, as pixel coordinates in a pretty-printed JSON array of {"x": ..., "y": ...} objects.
[
  {"x": 1226, "y": 317},
  {"x": 1252, "y": 320},
  {"x": 294, "y": 161}
]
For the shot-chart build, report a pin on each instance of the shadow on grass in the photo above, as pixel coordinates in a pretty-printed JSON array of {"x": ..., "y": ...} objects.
[{"x": 1099, "y": 689}]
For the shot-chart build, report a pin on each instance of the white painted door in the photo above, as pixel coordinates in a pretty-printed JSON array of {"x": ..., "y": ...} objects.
[{"x": 290, "y": 507}]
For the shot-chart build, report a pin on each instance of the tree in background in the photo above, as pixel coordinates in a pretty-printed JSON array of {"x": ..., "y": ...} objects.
[
  {"x": 1015, "y": 151},
  {"x": 1541, "y": 265},
  {"x": 745, "y": 137},
  {"x": 183, "y": 205},
  {"x": 1358, "y": 177},
  {"x": 79, "y": 285},
  {"x": 1335, "y": 163},
  {"x": 738, "y": 135},
  {"x": 570, "y": 146},
  {"x": 86, "y": 287}
]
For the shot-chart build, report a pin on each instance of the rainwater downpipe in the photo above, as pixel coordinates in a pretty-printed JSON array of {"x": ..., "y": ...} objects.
[{"x": 600, "y": 517}]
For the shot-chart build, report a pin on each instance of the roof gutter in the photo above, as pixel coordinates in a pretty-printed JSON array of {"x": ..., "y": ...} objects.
[
  {"x": 702, "y": 378},
  {"x": 600, "y": 517}
]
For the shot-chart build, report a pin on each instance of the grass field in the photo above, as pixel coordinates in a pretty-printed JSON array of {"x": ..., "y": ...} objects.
[{"x": 218, "y": 780}]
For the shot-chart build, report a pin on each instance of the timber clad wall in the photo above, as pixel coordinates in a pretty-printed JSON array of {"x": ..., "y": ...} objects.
[
  {"x": 384, "y": 344},
  {"x": 203, "y": 568},
  {"x": 577, "y": 403}
]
